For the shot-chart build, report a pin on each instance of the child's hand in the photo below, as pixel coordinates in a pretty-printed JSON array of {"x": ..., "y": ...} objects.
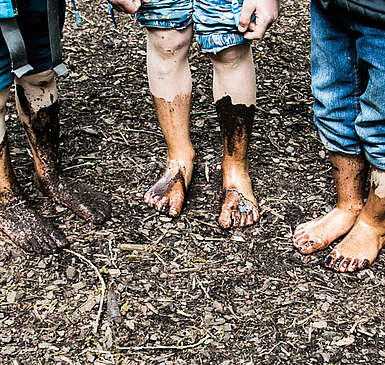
[
  {"x": 127, "y": 6},
  {"x": 265, "y": 12}
]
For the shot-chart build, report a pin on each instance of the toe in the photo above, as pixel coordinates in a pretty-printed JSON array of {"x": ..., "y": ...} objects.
[
  {"x": 58, "y": 239},
  {"x": 353, "y": 265},
  {"x": 299, "y": 230},
  {"x": 363, "y": 264},
  {"x": 175, "y": 207},
  {"x": 224, "y": 219},
  {"x": 162, "y": 204},
  {"x": 249, "y": 219},
  {"x": 330, "y": 259},
  {"x": 305, "y": 248},
  {"x": 147, "y": 197},
  {"x": 243, "y": 219},
  {"x": 236, "y": 218},
  {"x": 255, "y": 215},
  {"x": 298, "y": 234},
  {"x": 154, "y": 199},
  {"x": 337, "y": 263},
  {"x": 345, "y": 264}
]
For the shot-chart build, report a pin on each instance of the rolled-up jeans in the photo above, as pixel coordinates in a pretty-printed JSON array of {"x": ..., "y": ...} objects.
[{"x": 348, "y": 83}]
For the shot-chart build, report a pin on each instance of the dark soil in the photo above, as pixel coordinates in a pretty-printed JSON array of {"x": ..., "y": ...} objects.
[{"x": 208, "y": 296}]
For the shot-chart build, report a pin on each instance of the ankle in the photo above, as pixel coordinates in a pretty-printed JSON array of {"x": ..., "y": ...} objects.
[
  {"x": 231, "y": 164},
  {"x": 353, "y": 208},
  {"x": 186, "y": 157}
]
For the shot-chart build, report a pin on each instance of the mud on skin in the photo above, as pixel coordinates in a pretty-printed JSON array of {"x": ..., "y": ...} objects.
[
  {"x": 10, "y": 186},
  {"x": 27, "y": 229},
  {"x": 236, "y": 122},
  {"x": 43, "y": 134},
  {"x": 162, "y": 197}
]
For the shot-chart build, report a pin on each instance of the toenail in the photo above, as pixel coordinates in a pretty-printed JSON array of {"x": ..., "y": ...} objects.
[
  {"x": 338, "y": 263},
  {"x": 365, "y": 264}
]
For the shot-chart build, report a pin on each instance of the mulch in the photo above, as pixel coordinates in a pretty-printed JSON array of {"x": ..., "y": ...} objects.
[{"x": 183, "y": 291}]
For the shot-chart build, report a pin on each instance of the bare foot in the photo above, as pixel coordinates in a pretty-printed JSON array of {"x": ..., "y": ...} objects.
[
  {"x": 89, "y": 204},
  {"x": 321, "y": 232},
  {"x": 167, "y": 195},
  {"x": 357, "y": 250},
  {"x": 27, "y": 229},
  {"x": 239, "y": 207}
]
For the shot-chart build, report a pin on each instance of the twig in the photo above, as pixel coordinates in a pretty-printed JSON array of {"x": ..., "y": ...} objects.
[
  {"x": 103, "y": 289},
  {"x": 271, "y": 350},
  {"x": 150, "y": 216},
  {"x": 144, "y": 131},
  {"x": 182, "y": 347},
  {"x": 133, "y": 247},
  {"x": 80, "y": 165}
]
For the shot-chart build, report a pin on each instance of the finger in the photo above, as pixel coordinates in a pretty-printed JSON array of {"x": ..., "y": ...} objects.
[
  {"x": 126, "y": 6},
  {"x": 245, "y": 17},
  {"x": 258, "y": 29}
]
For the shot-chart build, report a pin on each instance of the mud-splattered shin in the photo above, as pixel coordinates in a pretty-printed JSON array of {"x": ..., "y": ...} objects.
[{"x": 239, "y": 207}]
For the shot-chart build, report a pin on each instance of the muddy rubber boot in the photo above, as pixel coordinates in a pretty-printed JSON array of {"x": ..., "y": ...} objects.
[{"x": 42, "y": 127}]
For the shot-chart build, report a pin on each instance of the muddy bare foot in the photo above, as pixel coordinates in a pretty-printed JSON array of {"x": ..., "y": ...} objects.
[
  {"x": 93, "y": 206},
  {"x": 239, "y": 206},
  {"x": 321, "y": 232},
  {"x": 237, "y": 211},
  {"x": 167, "y": 195},
  {"x": 27, "y": 229},
  {"x": 357, "y": 250}
]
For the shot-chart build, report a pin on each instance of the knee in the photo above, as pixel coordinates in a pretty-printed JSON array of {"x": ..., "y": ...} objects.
[
  {"x": 231, "y": 57},
  {"x": 170, "y": 44},
  {"x": 41, "y": 80}
]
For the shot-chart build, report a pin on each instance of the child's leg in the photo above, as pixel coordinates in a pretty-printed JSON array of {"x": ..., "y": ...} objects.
[
  {"x": 170, "y": 85},
  {"x": 335, "y": 85},
  {"x": 361, "y": 246},
  {"x": 234, "y": 93},
  {"x": 36, "y": 101},
  {"x": 17, "y": 219}
]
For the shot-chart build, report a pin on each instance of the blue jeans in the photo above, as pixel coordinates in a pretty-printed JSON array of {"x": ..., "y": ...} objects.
[
  {"x": 214, "y": 20},
  {"x": 33, "y": 26},
  {"x": 348, "y": 83}
]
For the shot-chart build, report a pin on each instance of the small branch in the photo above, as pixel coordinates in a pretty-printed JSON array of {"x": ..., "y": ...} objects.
[
  {"x": 182, "y": 347},
  {"x": 103, "y": 289},
  {"x": 132, "y": 247},
  {"x": 143, "y": 131}
]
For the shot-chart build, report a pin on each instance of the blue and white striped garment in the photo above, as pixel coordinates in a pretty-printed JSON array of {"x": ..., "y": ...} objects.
[{"x": 215, "y": 21}]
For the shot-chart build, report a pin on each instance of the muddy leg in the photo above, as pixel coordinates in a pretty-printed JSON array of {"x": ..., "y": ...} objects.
[
  {"x": 234, "y": 93},
  {"x": 170, "y": 84},
  {"x": 364, "y": 241},
  {"x": 349, "y": 173},
  {"x": 17, "y": 219},
  {"x": 36, "y": 100}
]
